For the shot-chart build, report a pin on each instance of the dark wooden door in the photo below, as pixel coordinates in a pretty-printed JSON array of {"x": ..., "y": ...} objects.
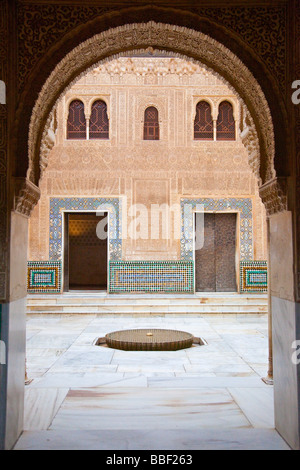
[
  {"x": 85, "y": 254},
  {"x": 205, "y": 258},
  {"x": 225, "y": 248},
  {"x": 215, "y": 261}
]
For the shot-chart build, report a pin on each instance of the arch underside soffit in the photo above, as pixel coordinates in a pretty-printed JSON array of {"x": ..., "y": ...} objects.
[{"x": 256, "y": 128}]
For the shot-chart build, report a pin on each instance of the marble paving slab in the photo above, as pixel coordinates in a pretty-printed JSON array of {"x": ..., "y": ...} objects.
[
  {"x": 41, "y": 405},
  {"x": 44, "y": 352},
  {"x": 84, "y": 369},
  {"x": 152, "y": 374},
  {"x": 91, "y": 357},
  {"x": 55, "y": 340},
  {"x": 214, "y": 361},
  {"x": 152, "y": 368},
  {"x": 30, "y": 333},
  {"x": 43, "y": 361},
  {"x": 36, "y": 372},
  {"x": 59, "y": 380},
  {"x": 180, "y": 439},
  {"x": 257, "y": 404},
  {"x": 214, "y": 389},
  {"x": 221, "y": 369},
  {"x": 200, "y": 382},
  {"x": 129, "y": 408}
]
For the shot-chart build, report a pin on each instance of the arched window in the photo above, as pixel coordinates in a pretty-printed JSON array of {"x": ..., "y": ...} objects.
[
  {"x": 225, "y": 123},
  {"x": 203, "y": 124},
  {"x": 99, "y": 124},
  {"x": 76, "y": 128},
  {"x": 151, "y": 124}
]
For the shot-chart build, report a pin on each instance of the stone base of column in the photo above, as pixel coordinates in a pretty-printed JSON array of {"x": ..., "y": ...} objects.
[{"x": 268, "y": 380}]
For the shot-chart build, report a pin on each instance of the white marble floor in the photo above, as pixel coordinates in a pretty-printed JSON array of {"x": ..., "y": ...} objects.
[{"x": 89, "y": 397}]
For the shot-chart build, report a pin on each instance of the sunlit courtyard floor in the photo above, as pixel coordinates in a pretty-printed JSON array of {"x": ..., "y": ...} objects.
[{"x": 84, "y": 396}]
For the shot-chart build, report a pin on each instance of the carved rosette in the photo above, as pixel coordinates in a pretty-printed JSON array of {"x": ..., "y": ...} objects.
[
  {"x": 26, "y": 196},
  {"x": 274, "y": 195}
]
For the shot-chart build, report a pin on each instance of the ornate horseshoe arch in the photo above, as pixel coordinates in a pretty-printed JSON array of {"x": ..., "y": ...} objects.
[{"x": 257, "y": 130}]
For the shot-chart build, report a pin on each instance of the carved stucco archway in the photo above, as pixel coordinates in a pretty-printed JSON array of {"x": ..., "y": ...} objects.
[{"x": 257, "y": 132}]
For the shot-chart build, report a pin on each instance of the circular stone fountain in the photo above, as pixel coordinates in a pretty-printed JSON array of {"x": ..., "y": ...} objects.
[{"x": 150, "y": 340}]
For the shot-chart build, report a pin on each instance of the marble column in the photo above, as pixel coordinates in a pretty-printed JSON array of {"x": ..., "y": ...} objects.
[
  {"x": 13, "y": 321},
  {"x": 286, "y": 328},
  {"x": 14, "y": 316},
  {"x": 269, "y": 379},
  {"x": 215, "y": 129},
  {"x": 3, "y": 375}
]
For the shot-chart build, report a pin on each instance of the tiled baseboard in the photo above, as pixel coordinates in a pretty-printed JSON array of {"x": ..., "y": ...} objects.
[
  {"x": 253, "y": 276},
  {"x": 44, "y": 277},
  {"x": 130, "y": 277},
  {"x": 151, "y": 276}
]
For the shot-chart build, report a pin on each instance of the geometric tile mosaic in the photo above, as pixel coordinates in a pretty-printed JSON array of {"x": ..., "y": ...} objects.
[
  {"x": 148, "y": 276},
  {"x": 67, "y": 204},
  {"x": 253, "y": 276},
  {"x": 243, "y": 206},
  {"x": 44, "y": 277},
  {"x": 151, "y": 276}
]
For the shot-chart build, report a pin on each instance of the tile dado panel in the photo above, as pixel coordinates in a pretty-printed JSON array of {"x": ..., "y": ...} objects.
[
  {"x": 253, "y": 276},
  {"x": 148, "y": 276},
  {"x": 242, "y": 206},
  {"x": 151, "y": 276},
  {"x": 44, "y": 277},
  {"x": 60, "y": 205}
]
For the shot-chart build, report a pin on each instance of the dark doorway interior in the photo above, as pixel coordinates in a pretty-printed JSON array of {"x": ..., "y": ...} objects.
[
  {"x": 215, "y": 262},
  {"x": 85, "y": 254}
]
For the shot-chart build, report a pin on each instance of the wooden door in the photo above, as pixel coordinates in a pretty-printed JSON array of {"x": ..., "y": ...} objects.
[
  {"x": 85, "y": 254},
  {"x": 215, "y": 262}
]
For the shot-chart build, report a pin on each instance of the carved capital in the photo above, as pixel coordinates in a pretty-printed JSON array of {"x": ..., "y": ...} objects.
[
  {"x": 274, "y": 195},
  {"x": 25, "y": 196}
]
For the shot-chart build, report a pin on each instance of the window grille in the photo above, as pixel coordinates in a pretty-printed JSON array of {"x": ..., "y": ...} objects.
[
  {"x": 225, "y": 123},
  {"x": 76, "y": 127},
  {"x": 99, "y": 123},
  {"x": 203, "y": 124},
  {"x": 151, "y": 124}
]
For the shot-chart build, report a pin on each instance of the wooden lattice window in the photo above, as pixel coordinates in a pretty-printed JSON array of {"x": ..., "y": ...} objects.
[
  {"x": 76, "y": 127},
  {"x": 99, "y": 123},
  {"x": 225, "y": 123},
  {"x": 203, "y": 124},
  {"x": 151, "y": 124}
]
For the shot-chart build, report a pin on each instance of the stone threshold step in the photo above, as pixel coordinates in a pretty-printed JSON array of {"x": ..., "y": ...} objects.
[
  {"x": 146, "y": 307},
  {"x": 142, "y": 307},
  {"x": 145, "y": 302},
  {"x": 148, "y": 312},
  {"x": 207, "y": 295},
  {"x": 153, "y": 440}
]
